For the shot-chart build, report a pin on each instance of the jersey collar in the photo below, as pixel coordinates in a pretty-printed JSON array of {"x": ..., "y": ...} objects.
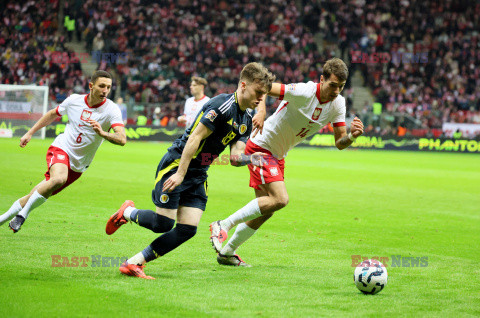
[
  {"x": 238, "y": 105},
  {"x": 94, "y": 106},
  {"x": 197, "y": 100},
  {"x": 319, "y": 86}
]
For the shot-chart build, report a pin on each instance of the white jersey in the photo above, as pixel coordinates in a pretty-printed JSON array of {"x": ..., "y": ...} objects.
[
  {"x": 300, "y": 115},
  {"x": 79, "y": 140},
  {"x": 192, "y": 107}
]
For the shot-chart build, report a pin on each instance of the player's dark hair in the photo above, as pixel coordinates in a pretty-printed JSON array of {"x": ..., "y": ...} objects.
[
  {"x": 99, "y": 74},
  {"x": 199, "y": 80},
  {"x": 337, "y": 67},
  {"x": 256, "y": 72}
]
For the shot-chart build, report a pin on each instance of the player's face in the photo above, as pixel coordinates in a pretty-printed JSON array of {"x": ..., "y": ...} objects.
[
  {"x": 195, "y": 88},
  {"x": 101, "y": 88},
  {"x": 331, "y": 87},
  {"x": 253, "y": 94}
]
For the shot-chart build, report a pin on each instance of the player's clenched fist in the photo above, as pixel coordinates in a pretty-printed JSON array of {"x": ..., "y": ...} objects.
[
  {"x": 25, "y": 139},
  {"x": 356, "y": 128}
]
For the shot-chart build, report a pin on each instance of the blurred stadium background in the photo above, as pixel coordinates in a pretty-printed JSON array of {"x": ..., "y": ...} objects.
[{"x": 413, "y": 64}]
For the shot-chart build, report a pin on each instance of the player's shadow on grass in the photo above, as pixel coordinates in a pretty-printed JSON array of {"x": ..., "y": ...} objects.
[
  {"x": 343, "y": 292},
  {"x": 67, "y": 274},
  {"x": 255, "y": 268}
]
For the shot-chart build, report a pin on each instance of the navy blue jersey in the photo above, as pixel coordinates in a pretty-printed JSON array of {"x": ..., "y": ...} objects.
[{"x": 228, "y": 123}]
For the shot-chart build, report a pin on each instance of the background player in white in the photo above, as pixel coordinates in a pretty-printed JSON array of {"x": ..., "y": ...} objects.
[
  {"x": 195, "y": 103},
  {"x": 90, "y": 118},
  {"x": 307, "y": 107}
]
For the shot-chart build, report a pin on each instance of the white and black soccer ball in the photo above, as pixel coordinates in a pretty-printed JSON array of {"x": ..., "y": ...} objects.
[{"x": 370, "y": 276}]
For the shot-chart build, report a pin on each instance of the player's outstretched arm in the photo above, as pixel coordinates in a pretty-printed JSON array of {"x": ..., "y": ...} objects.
[
  {"x": 276, "y": 90},
  {"x": 238, "y": 158},
  {"x": 199, "y": 133},
  {"x": 118, "y": 137},
  {"x": 237, "y": 154},
  {"x": 45, "y": 120},
  {"x": 342, "y": 139},
  {"x": 259, "y": 118}
]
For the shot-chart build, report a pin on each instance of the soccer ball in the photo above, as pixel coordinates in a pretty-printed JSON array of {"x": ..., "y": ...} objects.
[{"x": 370, "y": 276}]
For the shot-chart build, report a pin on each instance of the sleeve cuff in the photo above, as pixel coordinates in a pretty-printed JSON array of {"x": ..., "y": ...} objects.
[
  {"x": 56, "y": 110},
  {"x": 339, "y": 124},
  {"x": 282, "y": 92}
]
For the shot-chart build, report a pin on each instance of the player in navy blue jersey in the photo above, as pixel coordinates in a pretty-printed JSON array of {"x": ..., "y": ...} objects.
[{"x": 180, "y": 191}]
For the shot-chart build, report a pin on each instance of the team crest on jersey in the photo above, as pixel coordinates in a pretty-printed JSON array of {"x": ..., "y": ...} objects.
[
  {"x": 61, "y": 157},
  {"x": 86, "y": 114},
  {"x": 274, "y": 171},
  {"x": 243, "y": 129},
  {"x": 316, "y": 113},
  {"x": 164, "y": 198},
  {"x": 235, "y": 125}
]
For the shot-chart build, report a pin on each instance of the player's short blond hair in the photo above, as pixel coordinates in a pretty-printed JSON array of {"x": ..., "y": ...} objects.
[
  {"x": 199, "y": 80},
  {"x": 257, "y": 73},
  {"x": 337, "y": 67}
]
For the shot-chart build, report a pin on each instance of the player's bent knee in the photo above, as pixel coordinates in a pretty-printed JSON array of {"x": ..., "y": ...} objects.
[
  {"x": 185, "y": 231},
  {"x": 281, "y": 202},
  {"x": 162, "y": 224},
  {"x": 265, "y": 216},
  {"x": 57, "y": 182}
]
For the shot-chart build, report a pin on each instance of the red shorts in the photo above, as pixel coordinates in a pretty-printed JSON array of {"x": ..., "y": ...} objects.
[
  {"x": 271, "y": 171},
  {"x": 57, "y": 155}
]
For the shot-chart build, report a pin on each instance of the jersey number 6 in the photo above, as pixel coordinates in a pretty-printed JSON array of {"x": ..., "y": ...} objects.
[{"x": 79, "y": 138}]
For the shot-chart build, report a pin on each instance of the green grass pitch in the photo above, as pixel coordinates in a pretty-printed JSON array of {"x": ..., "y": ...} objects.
[{"x": 342, "y": 203}]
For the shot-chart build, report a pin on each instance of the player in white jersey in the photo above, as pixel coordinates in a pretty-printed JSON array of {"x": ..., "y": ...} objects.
[
  {"x": 195, "y": 103},
  {"x": 305, "y": 109},
  {"x": 90, "y": 118}
]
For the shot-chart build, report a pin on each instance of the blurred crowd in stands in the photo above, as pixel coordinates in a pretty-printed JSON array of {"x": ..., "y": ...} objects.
[
  {"x": 27, "y": 40},
  {"x": 167, "y": 42},
  {"x": 446, "y": 87}
]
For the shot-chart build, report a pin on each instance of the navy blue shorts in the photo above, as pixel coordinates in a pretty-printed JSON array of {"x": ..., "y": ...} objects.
[{"x": 192, "y": 192}]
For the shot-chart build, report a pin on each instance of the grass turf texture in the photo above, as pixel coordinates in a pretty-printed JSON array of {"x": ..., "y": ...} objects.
[{"x": 342, "y": 203}]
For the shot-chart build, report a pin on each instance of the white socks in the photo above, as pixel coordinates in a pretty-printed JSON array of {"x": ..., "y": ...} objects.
[
  {"x": 128, "y": 211},
  {"x": 249, "y": 212},
  {"x": 138, "y": 259},
  {"x": 14, "y": 209},
  {"x": 36, "y": 199},
  {"x": 242, "y": 233}
]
